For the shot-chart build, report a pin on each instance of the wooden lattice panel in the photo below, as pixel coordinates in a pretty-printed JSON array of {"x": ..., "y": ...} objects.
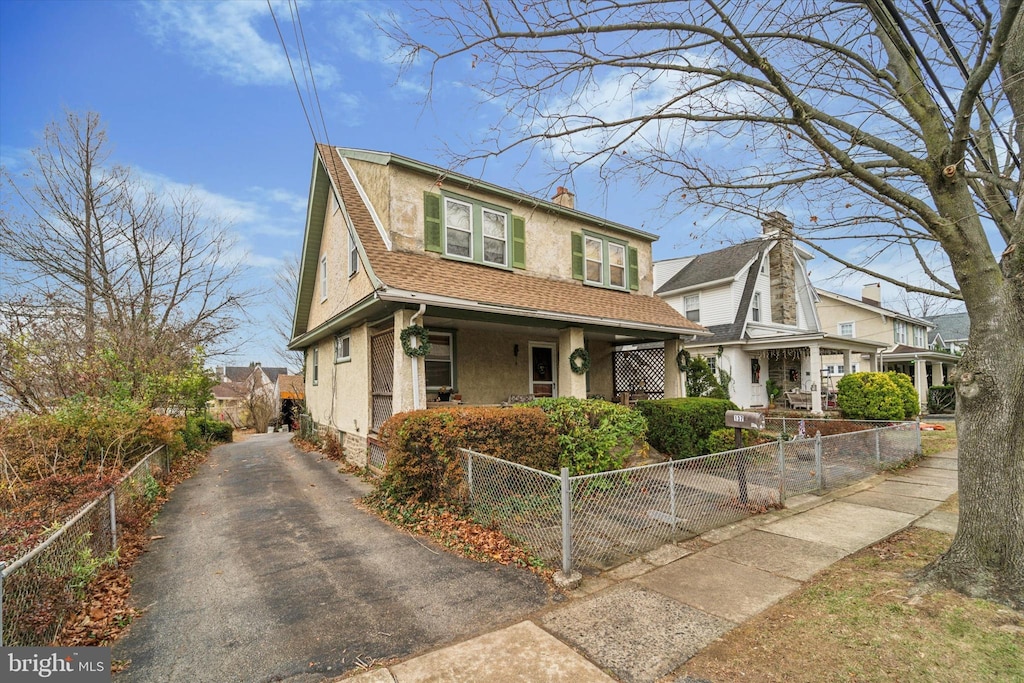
[{"x": 640, "y": 371}]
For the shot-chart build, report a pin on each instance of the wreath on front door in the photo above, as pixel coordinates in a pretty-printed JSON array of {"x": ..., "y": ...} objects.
[
  {"x": 421, "y": 335},
  {"x": 579, "y": 361}
]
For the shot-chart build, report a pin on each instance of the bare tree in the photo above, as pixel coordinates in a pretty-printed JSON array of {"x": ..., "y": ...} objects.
[
  {"x": 282, "y": 298},
  {"x": 896, "y": 127},
  {"x": 119, "y": 267}
]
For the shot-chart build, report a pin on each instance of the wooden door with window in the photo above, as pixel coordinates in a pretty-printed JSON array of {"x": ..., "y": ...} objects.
[{"x": 542, "y": 370}]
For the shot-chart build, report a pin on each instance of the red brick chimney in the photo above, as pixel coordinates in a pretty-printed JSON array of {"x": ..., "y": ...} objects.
[{"x": 564, "y": 198}]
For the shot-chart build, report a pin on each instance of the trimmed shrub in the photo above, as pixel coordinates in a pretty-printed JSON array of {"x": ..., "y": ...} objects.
[
  {"x": 423, "y": 462},
  {"x": 214, "y": 430},
  {"x": 680, "y": 427},
  {"x": 942, "y": 399},
  {"x": 911, "y": 401},
  {"x": 593, "y": 435},
  {"x": 871, "y": 396},
  {"x": 725, "y": 439}
]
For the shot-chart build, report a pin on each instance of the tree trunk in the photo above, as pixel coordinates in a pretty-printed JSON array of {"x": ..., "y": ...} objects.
[{"x": 986, "y": 558}]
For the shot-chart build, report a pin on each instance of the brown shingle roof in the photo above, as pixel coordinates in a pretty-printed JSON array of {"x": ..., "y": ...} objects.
[{"x": 427, "y": 274}]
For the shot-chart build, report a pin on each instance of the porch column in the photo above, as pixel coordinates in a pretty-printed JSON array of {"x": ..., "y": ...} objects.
[
  {"x": 815, "y": 363},
  {"x": 673, "y": 378},
  {"x": 569, "y": 383},
  {"x": 921, "y": 382},
  {"x": 847, "y": 362},
  {"x": 937, "y": 375},
  {"x": 402, "y": 378}
]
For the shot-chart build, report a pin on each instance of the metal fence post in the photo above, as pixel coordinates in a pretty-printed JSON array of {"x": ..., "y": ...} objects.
[
  {"x": 469, "y": 474},
  {"x": 818, "y": 469},
  {"x": 566, "y": 524},
  {"x": 782, "y": 471},
  {"x": 878, "y": 447},
  {"x": 113, "y": 524},
  {"x": 3, "y": 566},
  {"x": 672, "y": 492}
]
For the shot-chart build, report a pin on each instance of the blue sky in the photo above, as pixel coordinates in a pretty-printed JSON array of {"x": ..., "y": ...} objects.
[{"x": 200, "y": 94}]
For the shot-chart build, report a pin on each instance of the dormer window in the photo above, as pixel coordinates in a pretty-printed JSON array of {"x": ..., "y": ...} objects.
[{"x": 471, "y": 230}]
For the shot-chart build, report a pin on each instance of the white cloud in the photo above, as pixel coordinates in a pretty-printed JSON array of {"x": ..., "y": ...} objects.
[{"x": 223, "y": 38}]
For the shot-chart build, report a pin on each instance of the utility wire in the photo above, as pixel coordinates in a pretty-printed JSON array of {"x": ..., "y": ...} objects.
[
  {"x": 312, "y": 77},
  {"x": 295, "y": 80}
]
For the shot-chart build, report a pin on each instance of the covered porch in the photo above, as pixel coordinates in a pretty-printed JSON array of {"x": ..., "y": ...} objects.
[{"x": 926, "y": 368}]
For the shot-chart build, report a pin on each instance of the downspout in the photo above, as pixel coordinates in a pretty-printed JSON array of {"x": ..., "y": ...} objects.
[{"x": 416, "y": 361}]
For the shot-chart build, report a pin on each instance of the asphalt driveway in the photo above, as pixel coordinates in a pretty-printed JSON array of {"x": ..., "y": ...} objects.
[{"x": 267, "y": 572}]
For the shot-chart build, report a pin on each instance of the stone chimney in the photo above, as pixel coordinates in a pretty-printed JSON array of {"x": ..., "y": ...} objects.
[
  {"x": 564, "y": 198},
  {"x": 872, "y": 294},
  {"x": 781, "y": 267}
]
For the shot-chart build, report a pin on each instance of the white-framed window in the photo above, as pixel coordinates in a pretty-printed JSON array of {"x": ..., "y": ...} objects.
[
  {"x": 712, "y": 362},
  {"x": 495, "y": 231},
  {"x": 755, "y": 309},
  {"x": 594, "y": 254},
  {"x": 899, "y": 330},
  {"x": 323, "y": 278},
  {"x": 919, "y": 341},
  {"x": 691, "y": 307},
  {"x": 353, "y": 254},
  {"x": 845, "y": 329},
  {"x": 315, "y": 363},
  {"x": 617, "y": 265},
  {"x": 343, "y": 348},
  {"x": 439, "y": 363},
  {"x": 458, "y": 228},
  {"x": 854, "y": 367}
]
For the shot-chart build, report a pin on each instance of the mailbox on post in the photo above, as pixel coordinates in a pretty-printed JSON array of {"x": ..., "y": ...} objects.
[{"x": 743, "y": 419}]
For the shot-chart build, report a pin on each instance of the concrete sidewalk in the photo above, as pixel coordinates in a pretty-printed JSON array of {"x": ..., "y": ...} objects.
[{"x": 642, "y": 620}]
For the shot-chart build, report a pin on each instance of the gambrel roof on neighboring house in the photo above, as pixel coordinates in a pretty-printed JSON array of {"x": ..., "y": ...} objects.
[
  {"x": 951, "y": 328},
  {"x": 401, "y": 275}
]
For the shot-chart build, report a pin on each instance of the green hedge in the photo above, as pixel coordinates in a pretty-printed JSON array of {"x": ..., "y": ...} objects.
[
  {"x": 877, "y": 396},
  {"x": 680, "y": 427},
  {"x": 423, "y": 462},
  {"x": 724, "y": 439},
  {"x": 593, "y": 435}
]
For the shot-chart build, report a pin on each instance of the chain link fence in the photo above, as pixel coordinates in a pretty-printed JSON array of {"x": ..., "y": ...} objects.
[
  {"x": 39, "y": 590},
  {"x": 602, "y": 520}
]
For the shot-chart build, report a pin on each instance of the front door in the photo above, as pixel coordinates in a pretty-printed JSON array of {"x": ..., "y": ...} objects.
[{"x": 542, "y": 370}]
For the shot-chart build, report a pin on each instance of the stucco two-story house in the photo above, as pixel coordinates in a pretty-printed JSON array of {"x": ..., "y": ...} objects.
[
  {"x": 514, "y": 296},
  {"x": 906, "y": 337},
  {"x": 757, "y": 300}
]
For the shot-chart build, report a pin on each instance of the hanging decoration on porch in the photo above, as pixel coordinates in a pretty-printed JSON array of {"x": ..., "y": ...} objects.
[
  {"x": 683, "y": 360},
  {"x": 579, "y": 361},
  {"x": 421, "y": 335},
  {"x": 786, "y": 354}
]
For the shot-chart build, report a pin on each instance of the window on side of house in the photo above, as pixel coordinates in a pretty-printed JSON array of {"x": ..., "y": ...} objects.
[
  {"x": 712, "y": 362},
  {"x": 473, "y": 230},
  {"x": 495, "y": 232},
  {"x": 919, "y": 337},
  {"x": 604, "y": 262},
  {"x": 691, "y": 307},
  {"x": 353, "y": 254},
  {"x": 316, "y": 365},
  {"x": 845, "y": 329},
  {"x": 439, "y": 363},
  {"x": 755, "y": 309},
  {"x": 323, "y": 278},
  {"x": 343, "y": 348},
  {"x": 899, "y": 330}
]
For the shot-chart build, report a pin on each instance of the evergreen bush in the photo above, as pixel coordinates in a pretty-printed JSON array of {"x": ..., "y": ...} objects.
[
  {"x": 680, "y": 427},
  {"x": 872, "y": 396}
]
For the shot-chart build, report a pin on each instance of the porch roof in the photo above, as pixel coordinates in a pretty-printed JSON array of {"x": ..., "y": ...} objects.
[
  {"x": 410, "y": 278},
  {"x": 903, "y": 353},
  {"x": 827, "y": 342}
]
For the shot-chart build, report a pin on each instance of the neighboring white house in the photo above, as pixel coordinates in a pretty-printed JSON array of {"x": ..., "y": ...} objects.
[
  {"x": 950, "y": 332},
  {"x": 757, "y": 300}
]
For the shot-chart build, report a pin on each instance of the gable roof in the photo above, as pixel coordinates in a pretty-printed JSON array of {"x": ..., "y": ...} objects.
[
  {"x": 881, "y": 310},
  {"x": 415, "y": 277},
  {"x": 240, "y": 373},
  {"x": 713, "y": 266},
  {"x": 951, "y": 326}
]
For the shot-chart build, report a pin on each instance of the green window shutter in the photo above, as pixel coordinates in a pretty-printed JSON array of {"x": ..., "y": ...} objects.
[
  {"x": 432, "y": 237},
  {"x": 577, "y": 256},
  {"x": 518, "y": 242},
  {"x": 634, "y": 269}
]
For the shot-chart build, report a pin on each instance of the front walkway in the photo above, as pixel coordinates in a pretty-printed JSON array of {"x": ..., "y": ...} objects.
[{"x": 644, "y": 619}]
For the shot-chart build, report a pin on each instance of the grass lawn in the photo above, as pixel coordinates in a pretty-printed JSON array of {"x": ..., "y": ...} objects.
[
  {"x": 865, "y": 619},
  {"x": 939, "y": 441}
]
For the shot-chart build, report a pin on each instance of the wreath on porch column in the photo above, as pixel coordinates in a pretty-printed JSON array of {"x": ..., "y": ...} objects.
[
  {"x": 421, "y": 334},
  {"x": 683, "y": 360},
  {"x": 579, "y": 361}
]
